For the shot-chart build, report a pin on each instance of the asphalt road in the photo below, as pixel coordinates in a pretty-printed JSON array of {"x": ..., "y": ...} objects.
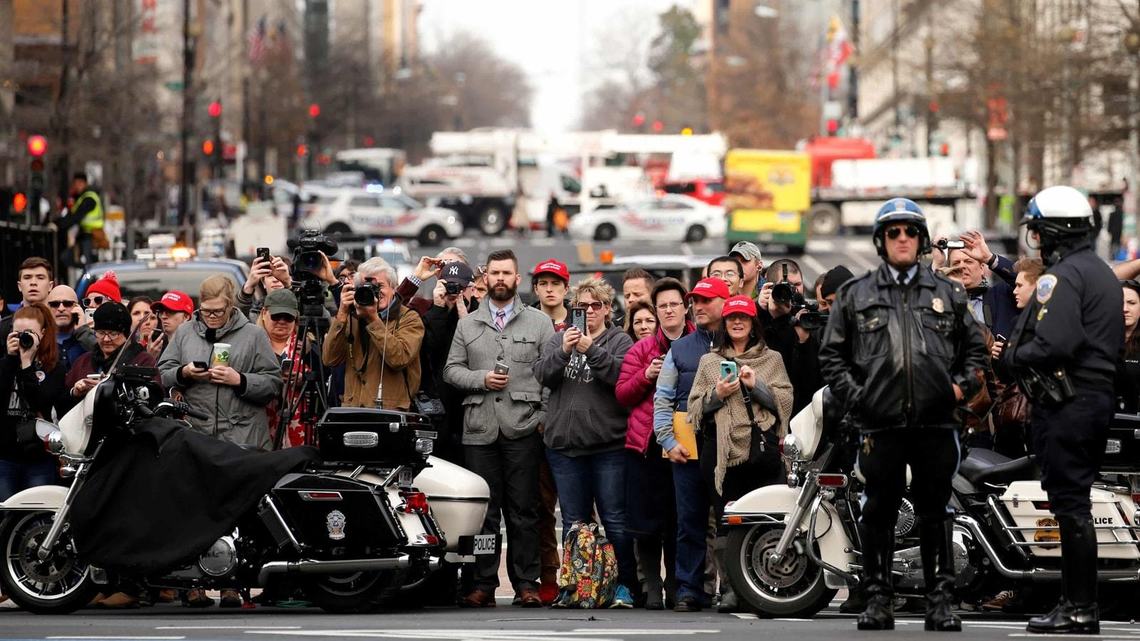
[
  {"x": 504, "y": 623},
  {"x": 856, "y": 252}
]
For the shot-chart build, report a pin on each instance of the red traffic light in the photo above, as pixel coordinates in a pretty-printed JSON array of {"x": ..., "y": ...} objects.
[
  {"x": 302, "y": 151},
  {"x": 37, "y": 146},
  {"x": 19, "y": 202},
  {"x": 208, "y": 147},
  {"x": 832, "y": 126},
  {"x": 215, "y": 109},
  {"x": 638, "y": 120},
  {"x": 658, "y": 126},
  {"x": 314, "y": 110}
]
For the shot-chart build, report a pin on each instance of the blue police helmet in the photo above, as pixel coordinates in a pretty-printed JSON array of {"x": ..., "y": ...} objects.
[{"x": 900, "y": 210}]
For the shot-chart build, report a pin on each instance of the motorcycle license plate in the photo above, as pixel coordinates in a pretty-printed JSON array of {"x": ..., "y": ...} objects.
[{"x": 484, "y": 544}]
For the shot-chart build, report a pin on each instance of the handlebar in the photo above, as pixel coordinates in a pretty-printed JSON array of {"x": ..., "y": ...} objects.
[{"x": 171, "y": 407}]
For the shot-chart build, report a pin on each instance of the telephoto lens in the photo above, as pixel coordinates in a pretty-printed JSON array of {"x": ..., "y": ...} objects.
[
  {"x": 27, "y": 340},
  {"x": 365, "y": 295}
]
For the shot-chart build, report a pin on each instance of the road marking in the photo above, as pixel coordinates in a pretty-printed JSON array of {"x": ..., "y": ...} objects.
[
  {"x": 686, "y": 250},
  {"x": 814, "y": 264},
  {"x": 115, "y": 638},
  {"x": 863, "y": 263},
  {"x": 747, "y": 616},
  {"x": 822, "y": 246},
  {"x": 227, "y": 627},
  {"x": 588, "y": 634}
]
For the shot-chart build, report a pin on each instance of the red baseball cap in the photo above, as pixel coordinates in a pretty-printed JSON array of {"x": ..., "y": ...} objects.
[
  {"x": 552, "y": 266},
  {"x": 175, "y": 301},
  {"x": 709, "y": 288},
  {"x": 739, "y": 305}
]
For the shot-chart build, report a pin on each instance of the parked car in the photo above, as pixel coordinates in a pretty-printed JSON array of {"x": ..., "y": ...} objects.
[
  {"x": 668, "y": 217},
  {"x": 388, "y": 214},
  {"x": 706, "y": 190}
]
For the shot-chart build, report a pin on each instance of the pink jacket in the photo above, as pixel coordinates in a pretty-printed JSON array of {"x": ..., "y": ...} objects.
[{"x": 635, "y": 392}]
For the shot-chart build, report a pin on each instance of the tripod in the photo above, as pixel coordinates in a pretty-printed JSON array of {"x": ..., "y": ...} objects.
[{"x": 311, "y": 397}]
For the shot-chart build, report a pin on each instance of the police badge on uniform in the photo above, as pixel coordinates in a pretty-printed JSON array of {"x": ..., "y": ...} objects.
[
  {"x": 938, "y": 305},
  {"x": 1045, "y": 286},
  {"x": 335, "y": 522}
]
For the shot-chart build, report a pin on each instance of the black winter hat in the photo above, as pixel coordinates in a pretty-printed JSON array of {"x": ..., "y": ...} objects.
[
  {"x": 834, "y": 278},
  {"x": 113, "y": 316}
]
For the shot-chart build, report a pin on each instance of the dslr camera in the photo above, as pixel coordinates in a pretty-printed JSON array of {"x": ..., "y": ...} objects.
[
  {"x": 26, "y": 339},
  {"x": 784, "y": 292},
  {"x": 309, "y": 252},
  {"x": 365, "y": 295}
]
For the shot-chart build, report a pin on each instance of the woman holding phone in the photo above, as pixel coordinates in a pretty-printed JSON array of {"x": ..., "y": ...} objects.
[
  {"x": 112, "y": 330},
  {"x": 741, "y": 400}
]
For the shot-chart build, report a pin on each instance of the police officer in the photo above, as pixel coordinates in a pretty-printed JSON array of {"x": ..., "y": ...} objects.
[
  {"x": 1063, "y": 351},
  {"x": 901, "y": 351},
  {"x": 87, "y": 213}
]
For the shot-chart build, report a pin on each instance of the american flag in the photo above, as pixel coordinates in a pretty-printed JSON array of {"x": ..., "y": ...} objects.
[{"x": 257, "y": 41}]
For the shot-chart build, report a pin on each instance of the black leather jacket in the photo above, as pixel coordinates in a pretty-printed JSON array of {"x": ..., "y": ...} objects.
[{"x": 891, "y": 353}]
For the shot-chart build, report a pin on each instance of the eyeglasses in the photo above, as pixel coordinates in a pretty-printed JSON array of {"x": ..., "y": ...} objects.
[
  {"x": 282, "y": 318},
  {"x": 664, "y": 307},
  {"x": 731, "y": 273},
  {"x": 894, "y": 232},
  {"x": 107, "y": 334},
  {"x": 594, "y": 306},
  {"x": 213, "y": 313},
  {"x": 66, "y": 304},
  {"x": 94, "y": 301}
]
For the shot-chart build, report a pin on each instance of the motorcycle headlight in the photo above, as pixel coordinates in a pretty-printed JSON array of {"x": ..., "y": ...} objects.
[{"x": 790, "y": 447}]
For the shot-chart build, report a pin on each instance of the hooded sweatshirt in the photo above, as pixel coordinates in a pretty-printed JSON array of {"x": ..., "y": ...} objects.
[
  {"x": 237, "y": 413},
  {"x": 583, "y": 415}
]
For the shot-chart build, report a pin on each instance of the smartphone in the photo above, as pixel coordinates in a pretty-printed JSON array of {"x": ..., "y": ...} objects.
[
  {"x": 502, "y": 368},
  {"x": 263, "y": 254},
  {"x": 999, "y": 338},
  {"x": 955, "y": 244},
  {"x": 154, "y": 334},
  {"x": 202, "y": 365},
  {"x": 578, "y": 318},
  {"x": 729, "y": 371},
  {"x": 94, "y": 377}
]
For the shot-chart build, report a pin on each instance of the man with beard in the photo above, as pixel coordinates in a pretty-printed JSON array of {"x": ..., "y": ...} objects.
[{"x": 491, "y": 361}]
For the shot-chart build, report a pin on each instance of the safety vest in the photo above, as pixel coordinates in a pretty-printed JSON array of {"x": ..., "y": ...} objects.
[{"x": 93, "y": 219}]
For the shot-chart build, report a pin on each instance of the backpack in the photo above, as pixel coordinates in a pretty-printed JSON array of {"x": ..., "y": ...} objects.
[{"x": 587, "y": 577}]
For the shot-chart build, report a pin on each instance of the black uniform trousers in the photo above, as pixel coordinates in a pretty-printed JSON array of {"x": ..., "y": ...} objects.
[
  {"x": 1069, "y": 442},
  {"x": 933, "y": 455}
]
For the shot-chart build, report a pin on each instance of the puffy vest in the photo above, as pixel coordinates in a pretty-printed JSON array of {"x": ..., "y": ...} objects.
[
  {"x": 93, "y": 219},
  {"x": 687, "y": 353}
]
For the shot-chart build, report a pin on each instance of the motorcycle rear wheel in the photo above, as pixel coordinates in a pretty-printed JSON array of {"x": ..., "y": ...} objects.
[
  {"x": 57, "y": 585},
  {"x": 791, "y": 587},
  {"x": 354, "y": 593}
]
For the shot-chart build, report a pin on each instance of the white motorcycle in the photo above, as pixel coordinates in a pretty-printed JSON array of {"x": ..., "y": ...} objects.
[{"x": 791, "y": 547}]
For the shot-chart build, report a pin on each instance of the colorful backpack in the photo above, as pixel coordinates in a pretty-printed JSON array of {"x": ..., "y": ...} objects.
[{"x": 587, "y": 577}]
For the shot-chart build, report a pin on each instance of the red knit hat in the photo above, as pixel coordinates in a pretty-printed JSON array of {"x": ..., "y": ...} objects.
[{"x": 107, "y": 286}]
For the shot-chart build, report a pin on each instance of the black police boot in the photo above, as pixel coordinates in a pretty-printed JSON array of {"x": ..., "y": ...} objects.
[
  {"x": 877, "y": 588},
  {"x": 1077, "y": 611},
  {"x": 937, "y": 552}
]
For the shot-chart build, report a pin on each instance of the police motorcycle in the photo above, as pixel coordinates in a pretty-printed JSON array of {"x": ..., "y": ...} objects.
[
  {"x": 153, "y": 504},
  {"x": 791, "y": 547}
]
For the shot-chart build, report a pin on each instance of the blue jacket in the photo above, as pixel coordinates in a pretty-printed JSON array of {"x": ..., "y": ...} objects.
[
  {"x": 998, "y": 305},
  {"x": 674, "y": 382}
]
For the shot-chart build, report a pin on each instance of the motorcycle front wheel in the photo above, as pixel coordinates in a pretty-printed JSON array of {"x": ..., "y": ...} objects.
[
  {"x": 59, "y": 584},
  {"x": 356, "y": 592},
  {"x": 790, "y": 587}
]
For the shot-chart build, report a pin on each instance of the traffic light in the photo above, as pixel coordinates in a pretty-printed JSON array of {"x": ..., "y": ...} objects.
[
  {"x": 37, "y": 146},
  {"x": 302, "y": 151},
  {"x": 658, "y": 126},
  {"x": 314, "y": 110},
  {"x": 208, "y": 147},
  {"x": 832, "y": 126},
  {"x": 215, "y": 109},
  {"x": 19, "y": 202},
  {"x": 638, "y": 120}
]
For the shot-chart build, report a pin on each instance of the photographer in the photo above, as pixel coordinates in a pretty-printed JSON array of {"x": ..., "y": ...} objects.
[
  {"x": 425, "y": 270},
  {"x": 452, "y": 299},
  {"x": 378, "y": 338},
  {"x": 991, "y": 304},
  {"x": 782, "y": 307},
  {"x": 265, "y": 275}
]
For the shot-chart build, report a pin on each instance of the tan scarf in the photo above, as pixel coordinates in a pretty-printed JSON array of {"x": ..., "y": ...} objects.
[{"x": 733, "y": 429}]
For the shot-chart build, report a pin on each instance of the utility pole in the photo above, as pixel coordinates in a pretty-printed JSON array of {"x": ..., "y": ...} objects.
[
  {"x": 61, "y": 111},
  {"x": 853, "y": 67},
  {"x": 187, "y": 118}
]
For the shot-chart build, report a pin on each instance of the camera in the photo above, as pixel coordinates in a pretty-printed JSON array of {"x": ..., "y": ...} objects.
[
  {"x": 27, "y": 340},
  {"x": 947, "y": 245},
  {"x": 453, "y": 289},
  {"x": 784, "y": 292},
  {"x": 812, "y": 320},
  {"x": 309, "y": 251},
  {"x": 366, "y": 295}
]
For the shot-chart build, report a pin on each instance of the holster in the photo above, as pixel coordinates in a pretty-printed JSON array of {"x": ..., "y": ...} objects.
[{"x": 1049, "y": 388}]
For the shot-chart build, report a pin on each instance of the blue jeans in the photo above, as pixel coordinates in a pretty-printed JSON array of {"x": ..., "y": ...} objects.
[
  {"x": 16, "y": 476},
  {"x": 692, "y": 525},
  {"x": 582, "y": 482}
]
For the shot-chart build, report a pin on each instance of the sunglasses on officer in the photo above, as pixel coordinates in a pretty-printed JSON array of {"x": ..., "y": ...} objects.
[{"x": 895, "y": 232}]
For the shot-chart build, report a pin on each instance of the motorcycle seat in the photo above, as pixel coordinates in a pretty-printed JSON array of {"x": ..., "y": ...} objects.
[{"x": 987, "y": 466}]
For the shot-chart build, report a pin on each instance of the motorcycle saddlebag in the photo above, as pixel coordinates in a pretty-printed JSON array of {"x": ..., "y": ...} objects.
[
  {"x": 337, "y": 516},
  {"x": 367, "y": 435}
]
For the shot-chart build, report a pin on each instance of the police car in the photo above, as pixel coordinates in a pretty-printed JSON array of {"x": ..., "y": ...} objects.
[
  {"x": 671, "y": 217},
  {"x": 388, "y": 213},
  {"x": 153, "y": 276}
]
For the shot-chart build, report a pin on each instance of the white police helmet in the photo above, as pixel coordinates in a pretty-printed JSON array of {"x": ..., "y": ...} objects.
[{"x": 1057, "y": 203}]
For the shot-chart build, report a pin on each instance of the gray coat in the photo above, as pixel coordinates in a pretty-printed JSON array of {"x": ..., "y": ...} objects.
[
  {"x": 237, "y": 414},
  {"x": 516, "y": 411}
]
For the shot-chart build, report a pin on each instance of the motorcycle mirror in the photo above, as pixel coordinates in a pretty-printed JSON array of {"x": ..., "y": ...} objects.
[{"x": 45, "y": 429}]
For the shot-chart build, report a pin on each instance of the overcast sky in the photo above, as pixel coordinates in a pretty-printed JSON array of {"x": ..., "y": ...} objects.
[{"x": 555, "y": 41}]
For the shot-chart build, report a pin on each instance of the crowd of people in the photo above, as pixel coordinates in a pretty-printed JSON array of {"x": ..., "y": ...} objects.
[{"x": 648, "y": 423}]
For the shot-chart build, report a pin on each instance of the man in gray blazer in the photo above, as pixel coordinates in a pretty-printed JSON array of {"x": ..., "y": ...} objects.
[{"x": 492, "y": 361}]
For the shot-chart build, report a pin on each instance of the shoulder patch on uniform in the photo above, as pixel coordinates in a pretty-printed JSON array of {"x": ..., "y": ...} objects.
[{"x": 1045, "y": 286}]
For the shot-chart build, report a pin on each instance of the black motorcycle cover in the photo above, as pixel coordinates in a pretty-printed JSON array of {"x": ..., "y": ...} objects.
[{"x": 167, "y": 493}]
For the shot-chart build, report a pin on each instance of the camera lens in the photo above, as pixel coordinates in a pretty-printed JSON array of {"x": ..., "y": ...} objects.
[
  {"x": 26, "y": 340},
  {"x": 365, "y": 295},
  {"x": 452, "y": 289},
  {"x": 782, "y": 292}
]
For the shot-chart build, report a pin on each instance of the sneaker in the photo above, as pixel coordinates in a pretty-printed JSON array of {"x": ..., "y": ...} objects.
[
  {"x": 622, "y": 598},
  {"x": 999, "y": 601},
  {"x": 688, "y": 604},
  {"x": 7, "y": 604}
]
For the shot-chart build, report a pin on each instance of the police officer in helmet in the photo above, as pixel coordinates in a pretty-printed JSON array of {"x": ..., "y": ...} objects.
[
  {"x": 901, "y": 350},
  {"x": 1063, "y": 352}
]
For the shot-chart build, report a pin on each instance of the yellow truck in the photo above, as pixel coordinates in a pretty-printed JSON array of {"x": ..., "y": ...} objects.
[{"x": 767, "y": 197}]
